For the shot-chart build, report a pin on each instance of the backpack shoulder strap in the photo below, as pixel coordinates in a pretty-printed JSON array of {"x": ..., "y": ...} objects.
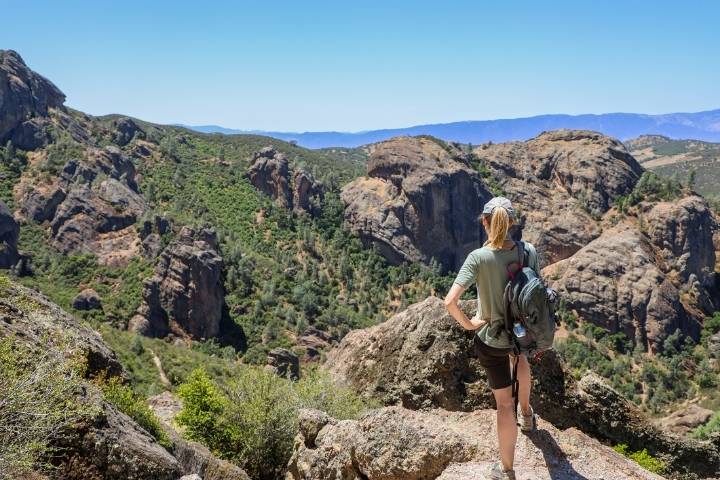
[{"x": 520, "y": 245}]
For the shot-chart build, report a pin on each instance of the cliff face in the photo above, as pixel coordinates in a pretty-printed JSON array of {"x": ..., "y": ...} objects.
[
  {"x": 25, "y": 99},
  {"x": 420, "y": 201},
  {"x": 185, "y": 296}
]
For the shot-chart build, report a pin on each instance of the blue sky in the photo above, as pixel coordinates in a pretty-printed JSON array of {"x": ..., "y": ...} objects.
[{"x": 342, "y": 65}]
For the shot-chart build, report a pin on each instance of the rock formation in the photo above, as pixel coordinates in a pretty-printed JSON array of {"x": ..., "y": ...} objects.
[
  {"x": 87, "y": 299},
  {"x": 420, "y": 201},
  {"x": 9, "y": 233},
  {"x": 284, "y": 363},
  {"x": 398, "y": 444},
  {"x": 91, "y": 206},
  {"x": 25, "y": 99},
  {"x": 421, "y": 359},
  {"x": 560, "y": 181},
  {"x": 296, "y": 189},
  {"x": 125, "y": 130},
  {"x": 620, "y": 281},
  {"x": 185, "y": 296},
  {"x": 683, "y": 232},
  {"x": 685, "y": 420}
]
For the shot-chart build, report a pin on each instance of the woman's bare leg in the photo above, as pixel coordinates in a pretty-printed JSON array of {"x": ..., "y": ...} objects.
[
  {"x": 524, "y": 381},
  {"x": 506, "y": 426}
]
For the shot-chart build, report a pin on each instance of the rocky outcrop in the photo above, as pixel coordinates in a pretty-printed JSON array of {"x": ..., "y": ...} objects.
[
  {"x": 618, "y": 283},
  {"x": 314, "y": 341},
  {"x": 30, "y": 318},
  {"x": 111, "y": 446},
  {"x": 683, "y": 232},
  {"x": 125, "y": 130},
  {"x": 87, "y": 299},
  {"x": 195, "y": 459},
  {"x": 9, "y": 233},
  {"x": 561, "y": 181},
  {"x": 185, "y": 296},
  {"x": 151, "y": 233},
  {"x": 284, "y": 363},
  {"x": 91, "y": 206},
  {"x": 685, "y": 420},
  {"x": 25, "y": 100},
  {"x": 420, "y": 201},
  {"x": 105, "y": 444},
  {"x": 296, "y": 189},
  {"x": 398, "y": 444},
  {"x": 421, "y": 359}
]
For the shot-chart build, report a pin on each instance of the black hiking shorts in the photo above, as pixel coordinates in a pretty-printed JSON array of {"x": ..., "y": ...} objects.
[{"x": 496, "y": 362}]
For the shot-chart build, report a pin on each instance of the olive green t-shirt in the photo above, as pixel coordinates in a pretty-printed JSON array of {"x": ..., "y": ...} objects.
[{"x": 487, "y": 267}]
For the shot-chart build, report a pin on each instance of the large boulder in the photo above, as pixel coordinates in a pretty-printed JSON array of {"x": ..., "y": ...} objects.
[
  {"x": 25, "y": 99},
  {"x": 561, "y": 181},
  {"x": 9, "y": 233},
  {"x": 420, "y": 201},
  {"x": 87, "y": 299},
  {"x": 91, "y": 206},
  {"x": 185, "y": 296},
  {"x": 295, "y": 189},
  {"x": 421, "y": 359},
  {"x": 398, "y": 444},
  {"x": 617, "y": 282}
]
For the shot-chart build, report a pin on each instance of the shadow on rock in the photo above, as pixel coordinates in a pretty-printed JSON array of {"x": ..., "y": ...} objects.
[{"x": 559, "y": 467}]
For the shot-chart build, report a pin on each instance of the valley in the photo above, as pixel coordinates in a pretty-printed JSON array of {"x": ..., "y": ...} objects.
[{"x": 194, "y": 270}]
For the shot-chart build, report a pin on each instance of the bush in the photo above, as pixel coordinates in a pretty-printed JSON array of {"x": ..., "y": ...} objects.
[
  {"x": 39, "y": 398},
  {"x": 128, "y": 402},
  {"x": 704, "y": 432},
  {"x": 643, "y": 458},
  {"x": 255, "y": 422},
  {"x": 202, "y": 406}
]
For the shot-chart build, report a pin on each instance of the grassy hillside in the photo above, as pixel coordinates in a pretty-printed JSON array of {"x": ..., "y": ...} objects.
[{"x": 678, "y": 158}]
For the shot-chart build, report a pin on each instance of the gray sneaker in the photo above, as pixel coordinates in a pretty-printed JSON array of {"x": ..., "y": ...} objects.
[
  {"x": 497, "y": 473},
  {"x": 528, "y": 423}
]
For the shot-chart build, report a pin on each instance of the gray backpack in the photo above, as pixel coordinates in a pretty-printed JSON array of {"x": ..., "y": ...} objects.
[{"x": 529, "y": 302}]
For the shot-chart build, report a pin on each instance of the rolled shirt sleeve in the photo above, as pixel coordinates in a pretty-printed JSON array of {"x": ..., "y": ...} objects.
[{"x": 468, "y": 272}]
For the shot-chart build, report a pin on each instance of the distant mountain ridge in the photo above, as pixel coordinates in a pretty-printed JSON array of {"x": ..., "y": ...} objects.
[{"x": 700, "y": 126}]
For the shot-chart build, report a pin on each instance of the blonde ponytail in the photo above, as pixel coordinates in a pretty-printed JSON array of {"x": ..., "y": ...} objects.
[{"x": 500, "y": 223}]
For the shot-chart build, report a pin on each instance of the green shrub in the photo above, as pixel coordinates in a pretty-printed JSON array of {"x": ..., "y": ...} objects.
[
  {"x": 202, "y": 406},
  {"x": 255, "y": 420},
  {"x": 705, "y": 431},
  {"x": 135, "y": 407},
  {"x": 643, "y": 458},
  {"x": 39, "y": 398}
]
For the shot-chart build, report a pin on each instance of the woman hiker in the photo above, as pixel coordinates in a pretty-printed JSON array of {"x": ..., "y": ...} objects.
[{"x": 487, "y": 268}]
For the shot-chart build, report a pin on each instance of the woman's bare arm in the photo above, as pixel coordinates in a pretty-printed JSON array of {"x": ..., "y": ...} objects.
[{"x": 451, "y": 303}]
